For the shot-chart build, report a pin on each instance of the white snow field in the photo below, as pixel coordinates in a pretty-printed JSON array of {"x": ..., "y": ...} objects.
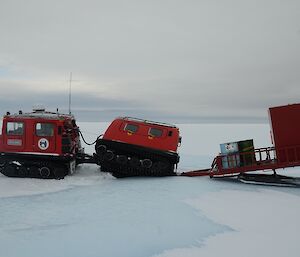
[{"x": 92, "y": 214}]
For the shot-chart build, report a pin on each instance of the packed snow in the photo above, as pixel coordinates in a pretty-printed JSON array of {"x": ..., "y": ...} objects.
[{"x": 93, "y": 214}]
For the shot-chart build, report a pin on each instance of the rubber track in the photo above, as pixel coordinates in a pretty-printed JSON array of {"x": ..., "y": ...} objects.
[
  {"x": 22, "y": 168},
  {"x": 162, "y": 162}
]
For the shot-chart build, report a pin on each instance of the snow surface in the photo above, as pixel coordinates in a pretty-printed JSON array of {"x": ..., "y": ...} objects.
[{"x": 93, "y": 214}]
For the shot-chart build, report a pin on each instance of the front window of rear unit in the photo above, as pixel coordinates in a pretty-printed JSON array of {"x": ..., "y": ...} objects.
[
  {"x": 131, "y": 128},
  {"x": 44, "y": 129},
  {"x": 15, "y": 128},
  {"x": 155, "y": 132}
]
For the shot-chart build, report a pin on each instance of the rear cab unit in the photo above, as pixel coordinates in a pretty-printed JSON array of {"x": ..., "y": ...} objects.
[
  {"x": 136, "y": 147},
  {"x": 38, "y": 144}
]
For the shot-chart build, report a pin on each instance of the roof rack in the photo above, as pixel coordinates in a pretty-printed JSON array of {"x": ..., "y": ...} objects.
[
  {"x": 149, "y": 122},
  {"x": 40, "y": 114}
]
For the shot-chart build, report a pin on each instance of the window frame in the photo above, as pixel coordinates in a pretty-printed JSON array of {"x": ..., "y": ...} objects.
[
  {"x": 129, "y": 130},
  {"x": 157, "y": 129},
  {"x": 15, "y": 129},
  {"x": 44, "y": 134}
]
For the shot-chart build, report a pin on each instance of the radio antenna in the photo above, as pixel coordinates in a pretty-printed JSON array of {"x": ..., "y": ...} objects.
[{"x": 70, "y": 92}]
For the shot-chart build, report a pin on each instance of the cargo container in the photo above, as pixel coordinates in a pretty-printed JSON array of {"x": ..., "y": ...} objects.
[
  {"x": 246, "y": 149},
  {"x": 237, "y": 154},
  {"x": 230, "y": 150}
]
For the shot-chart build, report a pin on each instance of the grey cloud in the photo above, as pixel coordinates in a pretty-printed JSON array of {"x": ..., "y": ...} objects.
[
  {"x": 53, "y": 101},
  {"x": 185, "y": 60}
]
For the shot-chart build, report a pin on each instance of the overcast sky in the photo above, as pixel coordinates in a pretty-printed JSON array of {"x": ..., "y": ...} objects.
[{"x": 189, "y": 60}]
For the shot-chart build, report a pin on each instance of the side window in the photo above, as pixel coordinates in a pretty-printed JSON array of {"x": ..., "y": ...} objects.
[
  {"x": 131, "y": 128},
  {"x": 44, "y": 129},
  {"x": 0, "y": 126},
  {"x": 15, "y": 128},
  {"x": 154, "y": 132}
]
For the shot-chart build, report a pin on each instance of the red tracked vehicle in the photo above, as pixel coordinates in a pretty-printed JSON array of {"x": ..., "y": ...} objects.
[
  {"x": 136, "y": 147},
  {"x": 39, "y": 144}
]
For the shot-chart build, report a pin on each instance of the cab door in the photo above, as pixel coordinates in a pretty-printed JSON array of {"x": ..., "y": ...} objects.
[
  {"x": 44, "y": 137},
  {"x": 14, "y": 137}
]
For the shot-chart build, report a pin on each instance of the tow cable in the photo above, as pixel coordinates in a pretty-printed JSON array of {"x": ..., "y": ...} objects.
[{"x": 86, "y": 141}]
